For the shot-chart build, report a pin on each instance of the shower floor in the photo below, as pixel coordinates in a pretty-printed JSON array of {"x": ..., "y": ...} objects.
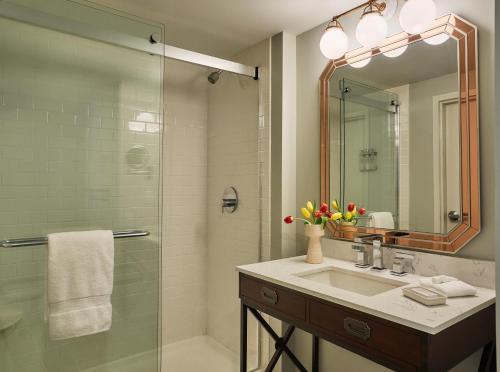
[{"x": 198, "y": 354}]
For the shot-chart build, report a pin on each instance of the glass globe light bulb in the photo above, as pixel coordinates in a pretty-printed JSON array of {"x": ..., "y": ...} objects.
[
  {"x": 417, "y": 15},
  {"x": 438, "y": 39},
  {"x": 395, "y": 52},
  {"x": 334, "y": 42},
  {"x": 371, "y": 29},
  {"x": 361, "y": 63}
]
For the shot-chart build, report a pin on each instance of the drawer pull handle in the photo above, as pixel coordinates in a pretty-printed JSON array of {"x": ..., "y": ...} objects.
[
  {"x": 357, "y": 328},
  {"x": 269, "y": 296}
]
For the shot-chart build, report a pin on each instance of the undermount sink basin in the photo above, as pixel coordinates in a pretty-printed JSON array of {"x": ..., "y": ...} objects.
[{"x": 361, "y": 283}]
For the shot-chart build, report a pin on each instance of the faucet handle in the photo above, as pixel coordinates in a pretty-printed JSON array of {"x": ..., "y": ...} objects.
[
  {"x": 361, "y": 256},
  {"x": 400, "y": 262}
]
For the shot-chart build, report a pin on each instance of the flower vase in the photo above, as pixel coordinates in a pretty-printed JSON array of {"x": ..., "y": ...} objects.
[{"x": 314, "y": 252}]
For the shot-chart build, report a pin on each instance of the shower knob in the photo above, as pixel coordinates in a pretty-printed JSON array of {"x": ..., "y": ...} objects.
[{"x": 230, "y": 200}]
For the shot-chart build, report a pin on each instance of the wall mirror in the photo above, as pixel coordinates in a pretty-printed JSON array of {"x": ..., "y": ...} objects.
[{"x": 399, "y": 137}]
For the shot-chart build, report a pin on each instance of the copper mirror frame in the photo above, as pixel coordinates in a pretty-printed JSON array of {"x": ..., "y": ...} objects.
[{"x": 466, "y": 36}]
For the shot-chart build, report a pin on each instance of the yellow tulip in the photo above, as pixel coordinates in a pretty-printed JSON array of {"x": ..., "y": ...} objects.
[
  {"x": 305, "y": 212},
  {"x": 336, "y": 216},
  {"x": 348, "y": 216},
  {"x": 310, "y": 206},
  {"x": 335, "y": 205},
  {"x": 354, "y": 210}
]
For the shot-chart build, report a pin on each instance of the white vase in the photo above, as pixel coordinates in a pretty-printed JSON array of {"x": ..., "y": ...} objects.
[{"x": 314, "y": 252}]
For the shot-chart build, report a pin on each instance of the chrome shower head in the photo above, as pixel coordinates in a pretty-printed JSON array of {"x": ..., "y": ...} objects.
[{"x": 214, "y": 76}]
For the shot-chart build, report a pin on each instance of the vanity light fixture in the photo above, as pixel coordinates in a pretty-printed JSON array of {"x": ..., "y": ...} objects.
[
  {"x": 334, "y": 42},
  {"x": 417, "y": 15},
  {"x": 370, "y": 31},
  {"x": 372, "y": 28}
]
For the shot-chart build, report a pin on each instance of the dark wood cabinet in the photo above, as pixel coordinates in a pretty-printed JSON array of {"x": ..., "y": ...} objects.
[{"x": 393, "y": 345}]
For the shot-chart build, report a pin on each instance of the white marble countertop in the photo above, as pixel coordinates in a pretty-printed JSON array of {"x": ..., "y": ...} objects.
[{"x": 390, "y": 305}]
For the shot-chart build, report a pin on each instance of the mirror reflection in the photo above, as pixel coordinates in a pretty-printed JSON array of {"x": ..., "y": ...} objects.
[{"x": 394, "y": 129}]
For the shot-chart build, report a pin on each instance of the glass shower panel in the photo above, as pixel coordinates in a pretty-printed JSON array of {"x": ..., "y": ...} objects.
[
  {"x": 369, "y": 148},
  {"x": 80, "y": 136}
]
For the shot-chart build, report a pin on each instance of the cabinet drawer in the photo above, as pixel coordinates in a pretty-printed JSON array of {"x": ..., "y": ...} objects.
[
  {"x": 366, "y": 332},
  {"x": 273, "y": 297}
]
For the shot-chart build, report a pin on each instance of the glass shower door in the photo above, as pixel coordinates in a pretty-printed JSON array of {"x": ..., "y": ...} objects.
[
  {"x": 80, "y": 145},
  {"x": 369, "y": 148}
]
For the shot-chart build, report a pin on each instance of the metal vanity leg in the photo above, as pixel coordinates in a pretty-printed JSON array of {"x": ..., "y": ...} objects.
[
  {"x": 280, "y": 343},
  {"x": 315, "y": 354},
  {"x": 488, "y": 358},
  {"x": 243, "y": 338}
]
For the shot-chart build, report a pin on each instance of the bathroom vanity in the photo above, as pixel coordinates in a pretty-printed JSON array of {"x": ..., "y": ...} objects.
[{"x": 365, "y": 312}]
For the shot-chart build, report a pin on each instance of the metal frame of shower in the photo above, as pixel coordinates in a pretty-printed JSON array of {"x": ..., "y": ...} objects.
[{"x": 152, "y": 45}]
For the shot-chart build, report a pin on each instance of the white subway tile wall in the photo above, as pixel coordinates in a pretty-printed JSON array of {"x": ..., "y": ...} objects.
[
  {"x": 184, "y": 289},
  {"x": 70, "y": 161},
  {"x": 216, "y": 136},
  {"x": 239, "y": 156}
]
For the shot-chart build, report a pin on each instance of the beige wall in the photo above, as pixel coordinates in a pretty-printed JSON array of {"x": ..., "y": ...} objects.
[
  {"x": 310, "y": 63},
  {"x": 497, "y": 164}
]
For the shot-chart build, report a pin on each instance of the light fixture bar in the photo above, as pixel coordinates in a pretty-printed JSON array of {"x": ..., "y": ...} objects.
[{"x": 380, "y": 7}]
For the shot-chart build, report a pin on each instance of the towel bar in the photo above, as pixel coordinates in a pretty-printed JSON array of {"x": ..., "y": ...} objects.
[{"x": 28, "y": 242}]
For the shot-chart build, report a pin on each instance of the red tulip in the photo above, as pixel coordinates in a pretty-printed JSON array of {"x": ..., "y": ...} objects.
[
  {"x": 329, "y": 214},
  {"x": 351, "y": 206},
  {"x": 323, "y": 208},
  {"x": 288, "y": 219},
  {"x": 317, "y": 214},
  {"x": 362, "y": 211}
]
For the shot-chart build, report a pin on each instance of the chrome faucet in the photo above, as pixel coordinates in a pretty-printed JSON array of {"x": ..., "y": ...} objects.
[
  {"x": 376, "y": 241},
  {"x": 361, "y": 256},
  {"x": 367, "y": 238},
  {"x": 378, "y": 259}
]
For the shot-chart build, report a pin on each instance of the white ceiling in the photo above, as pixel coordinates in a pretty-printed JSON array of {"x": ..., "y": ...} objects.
[{"x": 225, "y": 27}]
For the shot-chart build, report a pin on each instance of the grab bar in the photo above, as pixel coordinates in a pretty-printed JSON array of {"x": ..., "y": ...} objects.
[{"x": 29, "y": 242}]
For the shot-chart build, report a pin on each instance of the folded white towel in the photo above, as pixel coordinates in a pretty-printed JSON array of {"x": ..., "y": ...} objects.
[
  {"x": 382, "y": 220},
  {"x": 439, "y": 279},
  {"x": 79, "y": 283},
  {"x": 449, "y": 286}
]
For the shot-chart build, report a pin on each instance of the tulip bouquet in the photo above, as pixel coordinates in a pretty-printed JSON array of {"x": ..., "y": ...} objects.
[
  {"x": 347, "y": 217},
  {"x": 312, "y": 216},
  {"x": 323, "y": 214}
]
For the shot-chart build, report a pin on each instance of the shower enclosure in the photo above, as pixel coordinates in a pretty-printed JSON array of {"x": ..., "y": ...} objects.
[
  {"x": 368, "y": 136},
  {"x": 211, "y": 128},
  {"x": 92, "y": 118}
]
